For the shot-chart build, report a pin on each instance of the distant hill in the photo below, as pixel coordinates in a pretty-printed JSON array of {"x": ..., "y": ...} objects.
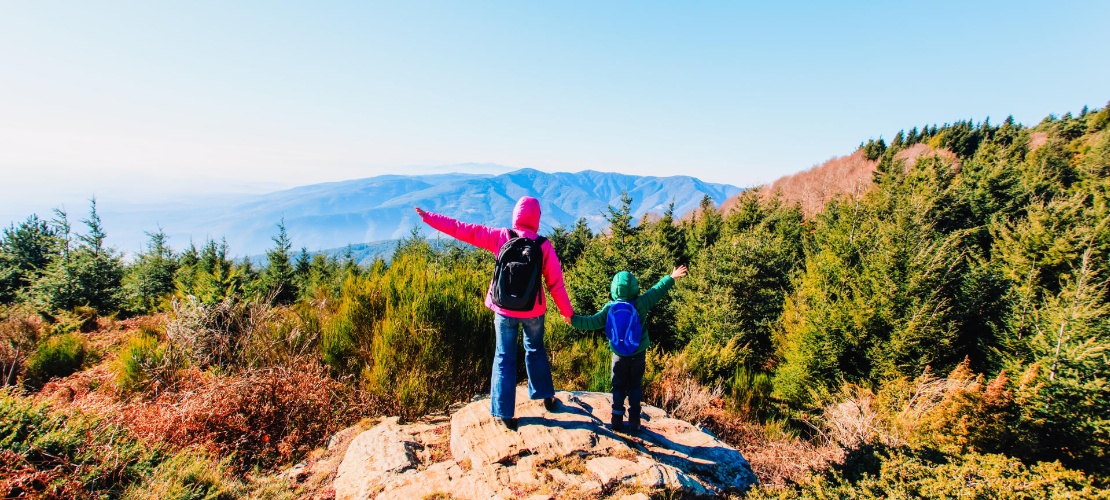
[
  {"x": 379, "y": 209},
  {"x": 840, "y": 176}
]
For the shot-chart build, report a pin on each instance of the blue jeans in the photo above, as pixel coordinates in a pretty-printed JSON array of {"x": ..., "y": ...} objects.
[{"x": 503, "y": 385}]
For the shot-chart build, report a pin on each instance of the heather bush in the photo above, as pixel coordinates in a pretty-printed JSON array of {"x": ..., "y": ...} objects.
[
  {"x": 579, "y": 364},
  {"x": 260, "y": 418},
  {"x": 187, "y": 475},
  {"x": 49, "y": 453},
  {"x": 433, "y": 344},
  {"x": 883, "y": 472},
  {"x": 57, "y": 356},
  {"x": 671, "y": 385},
  {"x": 19, "y": 334},
  {"x": 146, "y": 365},
  {"x": 344, "y": 333}
]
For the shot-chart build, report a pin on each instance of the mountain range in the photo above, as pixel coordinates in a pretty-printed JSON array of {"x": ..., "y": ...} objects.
[{"x": 336, "y": 214}]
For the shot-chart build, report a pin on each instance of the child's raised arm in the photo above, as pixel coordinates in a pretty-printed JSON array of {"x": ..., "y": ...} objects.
[
  {"x": 656, "y": 293},
  {"x": 591, "y": 322}
]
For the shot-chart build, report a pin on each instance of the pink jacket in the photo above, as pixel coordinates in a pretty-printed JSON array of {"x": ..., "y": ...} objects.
[{"x": 526, "y": 221}]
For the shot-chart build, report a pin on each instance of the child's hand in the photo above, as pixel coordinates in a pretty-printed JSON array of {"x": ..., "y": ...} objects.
[
  {"x": 420, "y": 212},
  {"x": 566, "y": 319},
  {"x": 678, "y": 272}
]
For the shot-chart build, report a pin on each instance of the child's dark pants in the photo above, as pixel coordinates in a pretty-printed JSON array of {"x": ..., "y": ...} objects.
[{"x": 628, "y": 381}]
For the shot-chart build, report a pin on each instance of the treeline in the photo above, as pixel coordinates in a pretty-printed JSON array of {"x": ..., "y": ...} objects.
[{"x": 959, "y": 306}]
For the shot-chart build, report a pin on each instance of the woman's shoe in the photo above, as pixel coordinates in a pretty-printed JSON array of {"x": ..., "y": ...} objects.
[
  {"x": 550, "y": 404},
  {"x": 511, "y": 423}
]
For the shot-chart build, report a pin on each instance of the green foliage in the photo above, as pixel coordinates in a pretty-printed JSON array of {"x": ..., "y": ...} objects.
[
  {"x": 149, "y": 282},
  {"x": 58, "y": 356},
  {"x": 873, "y": 150},
  {"x": 727, "y": 309},
  {"x": 433, "y": 344},
  {"x": 579, "y": 361},
  {"x": 277, "y": 278},
  {"x": 416, "y": 330},
  {"x": 145, "y": 364},
  {"x": 86, "y": 275},
  {"x": 187, "y": 475},
  {"x": 59, "y": 454},
  {"x": 208, "y": 274},
  {"x": 569, "y": 245},
  {"x": 881, "y": 472},
  {"x": 25, "y": 251}
]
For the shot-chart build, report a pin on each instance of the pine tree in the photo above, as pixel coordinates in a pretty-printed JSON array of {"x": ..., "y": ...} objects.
[
  {"x": 88, "y": 275},
  {"x": 672, "y": 237},
  {"x": 620, "y": 220},
  {"x": 25, "y": 251},
  {"x": 151, "y": 278},
  {"x": 278, "y": 276},
  {"x": 706, "y": 228}
]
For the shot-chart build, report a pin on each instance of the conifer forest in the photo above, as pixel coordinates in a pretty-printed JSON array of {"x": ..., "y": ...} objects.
[{"x": 941, "y": 329}]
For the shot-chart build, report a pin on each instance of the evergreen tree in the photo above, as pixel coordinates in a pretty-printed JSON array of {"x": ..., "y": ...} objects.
[
  {"x": 25, "y": 251},
  {"x": 620, "y": 220},
  {"x": 671, "y": 237},
  {"x": 150, "y": 279},
  {"x": 706, "y": 227},
  {"x": 278, "y": 276},
  {"x": 88, "y": 275}
]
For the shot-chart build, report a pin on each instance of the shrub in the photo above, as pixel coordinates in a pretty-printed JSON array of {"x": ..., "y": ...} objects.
[
  {"x": 56, "y": 454},
  {"x": 145, "y": 364},
  {"x": 881, "y": 472},
  {"x": 264, "y": 417},
  {"x": 218, "y": 334},
  {"x": 58, "y": 356},
  {"x": 578, "y": 363},
  {"x": 187, "y": 475},
  {"x": 750, "y": 392},
  {"x": 19, "y": 333},
  {"x": 676, "y": 389}
]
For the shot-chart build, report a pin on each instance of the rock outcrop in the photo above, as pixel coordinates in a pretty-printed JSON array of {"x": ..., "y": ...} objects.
[{"x": 569, "y": 453}]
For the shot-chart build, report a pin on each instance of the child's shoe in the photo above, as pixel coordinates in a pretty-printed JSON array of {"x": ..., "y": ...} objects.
[
  {"x": 617, "y": 422},
  {"x": 634, "y": 422},
  {"x": 550, "y": 404},
  {"x": 510, "y": 423}
]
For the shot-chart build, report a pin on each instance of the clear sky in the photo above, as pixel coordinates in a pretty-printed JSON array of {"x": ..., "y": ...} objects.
[{"x": 137, "y": 100}]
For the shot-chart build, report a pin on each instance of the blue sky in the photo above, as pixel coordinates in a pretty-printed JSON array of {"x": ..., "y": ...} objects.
[{"x": 134, "y": 101}]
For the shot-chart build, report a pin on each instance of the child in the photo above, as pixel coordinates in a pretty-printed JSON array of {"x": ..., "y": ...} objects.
[{"x": 623, "y": 322}]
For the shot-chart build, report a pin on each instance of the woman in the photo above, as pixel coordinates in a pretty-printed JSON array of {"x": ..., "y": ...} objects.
[{"x": 526, "y": 224}]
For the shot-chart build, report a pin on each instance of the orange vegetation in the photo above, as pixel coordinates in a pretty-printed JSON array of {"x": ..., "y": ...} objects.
[
  {"x": 849, "y": 175},
  {"x": 1037, "y": 139},
  {"x": 816, "y": 186}
]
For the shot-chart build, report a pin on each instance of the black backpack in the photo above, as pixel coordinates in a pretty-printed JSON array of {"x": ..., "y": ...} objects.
[{"x": 516, "y": 277}]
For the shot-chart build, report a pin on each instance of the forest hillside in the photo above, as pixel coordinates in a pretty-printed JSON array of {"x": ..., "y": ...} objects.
[{"x": 926, "y": 317}]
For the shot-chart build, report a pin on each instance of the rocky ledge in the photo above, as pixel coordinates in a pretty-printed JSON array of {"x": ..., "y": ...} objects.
[{"x": 568, "y": 453}]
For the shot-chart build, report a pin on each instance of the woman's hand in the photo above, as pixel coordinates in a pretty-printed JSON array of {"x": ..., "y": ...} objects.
[
  {"x": 420, "y": 212},
  {"x": 678, "y": 272}
]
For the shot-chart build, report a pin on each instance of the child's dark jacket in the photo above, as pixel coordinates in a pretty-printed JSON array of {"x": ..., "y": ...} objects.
[{"x": 625, "y": 288}]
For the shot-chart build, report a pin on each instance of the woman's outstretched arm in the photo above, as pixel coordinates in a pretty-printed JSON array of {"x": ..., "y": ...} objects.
[{"x": 475, "y": 234}]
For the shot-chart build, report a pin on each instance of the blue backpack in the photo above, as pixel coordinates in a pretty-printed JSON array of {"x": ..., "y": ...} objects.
[{"x": 622, "y": 326}]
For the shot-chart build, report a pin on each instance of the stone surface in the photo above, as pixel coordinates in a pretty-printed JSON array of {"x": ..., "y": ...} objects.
[{"x": 562, "y": 454}]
